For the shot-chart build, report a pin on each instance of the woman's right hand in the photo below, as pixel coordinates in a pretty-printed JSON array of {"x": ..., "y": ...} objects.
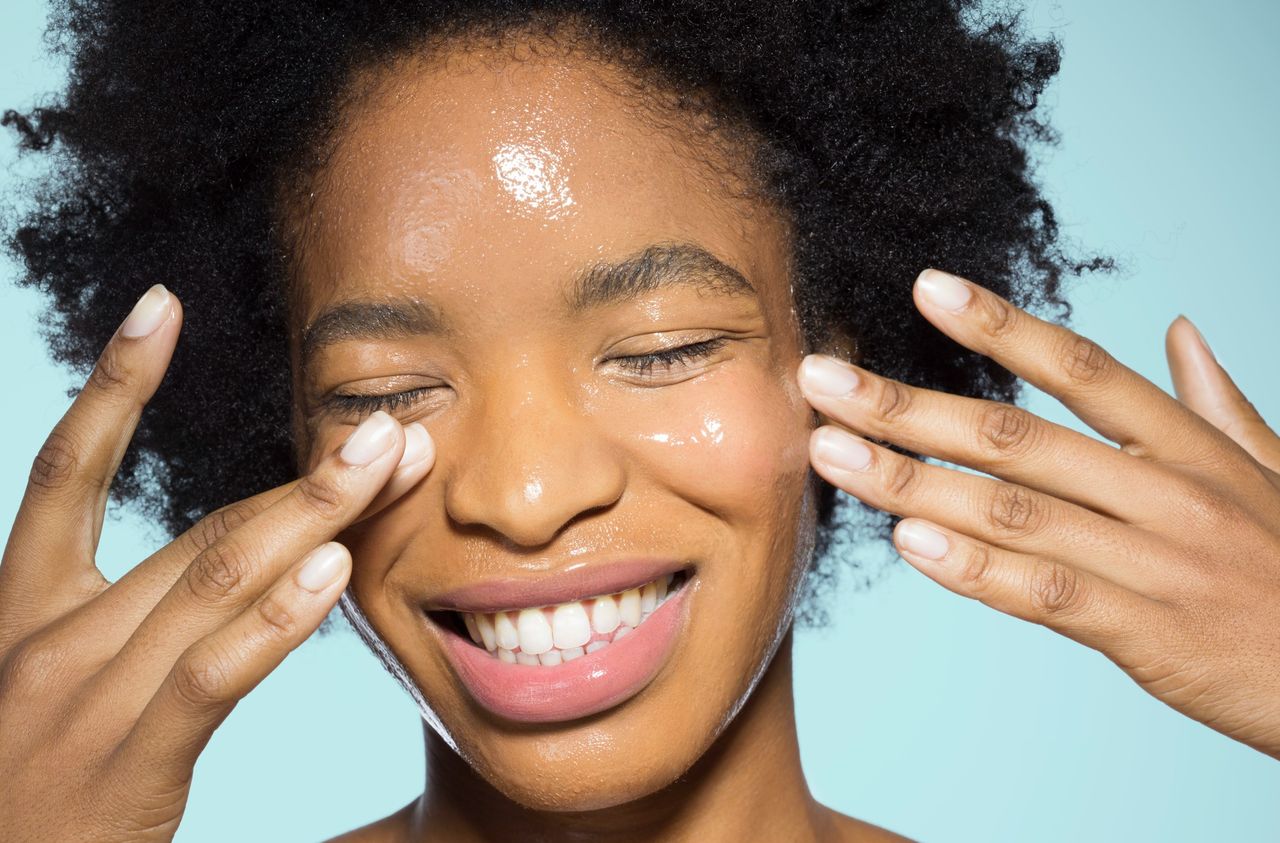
[{"x": 110, "y": 691}]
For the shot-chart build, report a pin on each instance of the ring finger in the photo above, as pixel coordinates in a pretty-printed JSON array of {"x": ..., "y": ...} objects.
[{"x": 1004, "y": 514}]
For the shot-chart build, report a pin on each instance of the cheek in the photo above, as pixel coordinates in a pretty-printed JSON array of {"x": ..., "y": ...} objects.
[{"x": 735, "y": 442}]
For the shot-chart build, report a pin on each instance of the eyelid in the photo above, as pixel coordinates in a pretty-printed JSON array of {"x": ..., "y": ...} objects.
[
  {"x": 365, "y": 403},
  {"x": 668, "y": 357}
]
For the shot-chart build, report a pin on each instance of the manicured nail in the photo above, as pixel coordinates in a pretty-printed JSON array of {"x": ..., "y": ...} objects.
[
  {"x": 922, "y": 540},
  {"x": 417, "y": 445},
  {"x": 149, "y": 313},
  {"x": 827, "y": 376},
  {"x": 371, "y": 439},
  {"x": 842, "y": 450},
  {"x": 322, "y": 567},
  {"x": 1200, "y": 337},
  {"x": 946, "y": 291}
]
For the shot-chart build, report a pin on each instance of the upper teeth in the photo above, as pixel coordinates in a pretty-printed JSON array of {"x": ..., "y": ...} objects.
[{"x": 551, "y": 634}]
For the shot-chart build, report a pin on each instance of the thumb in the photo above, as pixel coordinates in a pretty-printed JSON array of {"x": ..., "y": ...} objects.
[{"x": 1203, "y": 385}]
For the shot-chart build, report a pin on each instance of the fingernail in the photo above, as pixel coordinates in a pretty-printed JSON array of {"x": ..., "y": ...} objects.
[
  {"x": 922, "y": 540},
  {"x": 827, "y": 376},
  {"x": 148, "y": 314},
  {"x": 322, "y": 567},
  {"x": 417, "y": 445},
  {"x": 1200, "y": 337},
  {"x": 371, "y": 439},
  {"x": 842, "y": 450},
  {"x": 946, "y": 291}
]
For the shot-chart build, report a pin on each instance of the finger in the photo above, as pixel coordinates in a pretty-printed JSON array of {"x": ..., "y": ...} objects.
[
  {"x": 419, "y": 456},
  {"x": 104, "y": 623},
  {"x": 1043, "y": 590},
  {"x": 217, "y": 671},
  {"x": 101, "y": 626},
  {"x": 1108, "y": 396},
  {"x": 1201, "y": 383},
  {"x": 991, "y": 436},
  {"x": 1004, "y": 514},
  {"x": 60, "y": 518},
  {"x": 233, "y": 571}
]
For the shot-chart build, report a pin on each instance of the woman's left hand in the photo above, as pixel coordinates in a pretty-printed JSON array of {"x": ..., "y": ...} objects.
[{"x": 1162, "y": 553}]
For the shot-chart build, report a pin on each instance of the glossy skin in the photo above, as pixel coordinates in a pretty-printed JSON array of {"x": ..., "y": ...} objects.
[{"x": 484, "y": 192}]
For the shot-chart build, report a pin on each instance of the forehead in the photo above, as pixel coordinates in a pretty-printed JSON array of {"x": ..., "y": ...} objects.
[{"x": 467, "y": 174}]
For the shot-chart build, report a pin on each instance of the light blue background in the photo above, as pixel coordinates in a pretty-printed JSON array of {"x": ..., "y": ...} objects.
[{"x": 919, "y": 710}]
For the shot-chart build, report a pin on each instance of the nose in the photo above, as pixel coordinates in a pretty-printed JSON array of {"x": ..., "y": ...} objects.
[{"x": 531, "y": 460}]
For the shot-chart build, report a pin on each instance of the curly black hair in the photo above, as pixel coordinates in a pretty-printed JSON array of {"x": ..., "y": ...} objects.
[{"x": 896, "y": 134}]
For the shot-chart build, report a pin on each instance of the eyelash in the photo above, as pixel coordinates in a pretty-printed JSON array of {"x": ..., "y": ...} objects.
[{"x": 636, "y": 364}]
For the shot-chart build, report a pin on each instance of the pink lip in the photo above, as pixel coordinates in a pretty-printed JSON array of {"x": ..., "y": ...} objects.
[
  {"x": 578, "y": 688},
  {"x": 582, "y": 580}
]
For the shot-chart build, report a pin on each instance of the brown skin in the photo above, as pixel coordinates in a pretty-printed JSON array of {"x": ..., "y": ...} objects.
[
  {"x": 436, "y": 194},
  {"x": 108, "y": 692}
]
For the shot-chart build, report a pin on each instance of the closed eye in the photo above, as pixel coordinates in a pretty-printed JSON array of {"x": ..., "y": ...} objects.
[
  {"x": 640, "y": 364},
  {"x": 644, "y": 363}
]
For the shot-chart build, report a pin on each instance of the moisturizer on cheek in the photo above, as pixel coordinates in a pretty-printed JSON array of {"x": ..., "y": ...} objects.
[{"x": 535, "y": 177}]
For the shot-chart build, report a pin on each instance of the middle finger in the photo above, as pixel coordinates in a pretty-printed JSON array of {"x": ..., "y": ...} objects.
[
  {"x": 1002, "y": 514},
  {"x": 991, "y": 436},
  {"x": 235, "y": 569}
]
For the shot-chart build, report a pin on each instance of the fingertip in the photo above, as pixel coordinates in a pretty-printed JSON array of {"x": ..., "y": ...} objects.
[
  {"x": 324, "y": 567},
  {"x": 419, "y": 447}
]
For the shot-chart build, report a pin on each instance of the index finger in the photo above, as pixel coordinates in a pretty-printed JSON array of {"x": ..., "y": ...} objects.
[
  {"x": 59, "y": 520},
  {"x": 1104, "y": 393}
]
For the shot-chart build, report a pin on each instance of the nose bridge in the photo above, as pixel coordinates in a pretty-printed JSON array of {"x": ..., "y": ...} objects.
[{"x": 531, "y": 459}]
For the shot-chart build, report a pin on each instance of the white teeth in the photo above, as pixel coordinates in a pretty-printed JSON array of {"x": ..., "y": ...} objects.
[
  {"x": 472, "y": 629},
  {"x": 508, "y": 638},
  {"x": 487, "y": 635},
  {"x": 536, "y": 636},
  {"x": 604, "y": 615},
  {"x": 535, "y": 632},
  {"x": 648, "y": 598},
  {"x": 570, "y": 626},
  {"x": 629, "y": 607}
]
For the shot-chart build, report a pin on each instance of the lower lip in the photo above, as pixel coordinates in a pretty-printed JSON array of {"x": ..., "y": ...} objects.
[{"x": 587, "y": 685}]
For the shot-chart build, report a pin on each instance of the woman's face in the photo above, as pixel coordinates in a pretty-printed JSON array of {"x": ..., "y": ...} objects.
[{"x": 491, "y": 245}]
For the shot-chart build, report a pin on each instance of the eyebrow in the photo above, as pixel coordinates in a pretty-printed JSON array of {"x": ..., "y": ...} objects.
[{"x": 657, "y": 267}]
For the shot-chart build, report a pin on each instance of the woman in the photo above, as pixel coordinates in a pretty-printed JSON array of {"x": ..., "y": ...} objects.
[{"x": 525, "y": 297}]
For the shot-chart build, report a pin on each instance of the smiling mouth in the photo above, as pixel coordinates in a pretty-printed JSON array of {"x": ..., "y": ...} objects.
[{"x": 554, "y": 634}]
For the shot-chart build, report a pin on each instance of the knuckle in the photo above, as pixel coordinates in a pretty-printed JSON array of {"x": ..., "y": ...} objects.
[
  {"x": 30, "y": 665},
  {"x": 893, "y": 402},
  {"x": 277, "y": 615},
  {"x": 1083, "y": 361},
  {"x": 321, "y": 494},
  {"x": 1015, "y": 510},
  {"x": 211, "y": 529},
  {"x": 1006, "y": 429},
  {"x": 200, "y": 678},
  {"x": 902, "y": 478},
  {"x": 1055, "y": 589},
  {"x": 975, "y": 570},
  {"x": 999, "y": 318},
  {"x": 111, "y": 374},
  {"x": 56, "y": 463},
  {"x": 220, "y": 571}
]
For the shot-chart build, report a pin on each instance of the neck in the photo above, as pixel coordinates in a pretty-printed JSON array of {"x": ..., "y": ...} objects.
[{"x": 748, "y": 786}]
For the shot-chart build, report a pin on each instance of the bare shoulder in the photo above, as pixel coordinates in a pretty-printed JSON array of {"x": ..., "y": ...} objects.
[
  {"x": 846, "y": 829},
  {"x": 385, "y": 830}
]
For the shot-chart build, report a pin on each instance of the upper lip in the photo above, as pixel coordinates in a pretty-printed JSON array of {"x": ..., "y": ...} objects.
[{"x": 580, "y": 580}]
